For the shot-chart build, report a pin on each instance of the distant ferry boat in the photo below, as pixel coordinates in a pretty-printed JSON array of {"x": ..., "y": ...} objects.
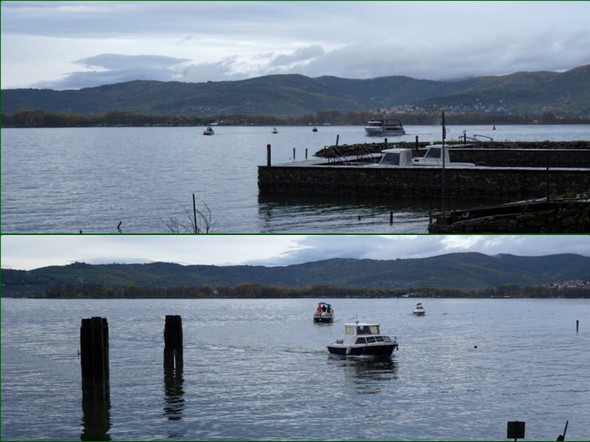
[{"x": 384, "y": 127}]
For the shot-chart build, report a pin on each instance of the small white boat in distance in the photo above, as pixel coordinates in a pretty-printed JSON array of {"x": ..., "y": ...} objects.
[
  {"x": 323, "y": 313},
  {"x": 419, "y": 310},
  {"x": 384, "y": 127},
  {"x": 208, "y": 131},
  {"x": 363, "y": 339},
  {"x": 274, "y": 130}
]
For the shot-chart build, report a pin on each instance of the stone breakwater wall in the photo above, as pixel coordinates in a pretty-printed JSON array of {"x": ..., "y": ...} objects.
[
  {"x": 478, "y": 183},
  {"x": 509, "y": 154},
  {"x": 522, "y": 157},
  {"x": 539, "y": 217}
]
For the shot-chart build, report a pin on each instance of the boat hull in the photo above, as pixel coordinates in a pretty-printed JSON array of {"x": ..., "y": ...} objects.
[
  {"x": 380, "y": 132},
  {"x": 362, "y": 350},
  {"x": 323, "y": 319}
]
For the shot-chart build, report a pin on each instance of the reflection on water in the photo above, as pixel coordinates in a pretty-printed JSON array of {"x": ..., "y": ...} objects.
[
  {"x": 367, "y": 375},
  {"x": 291, "y": 213},
  {"x": 173, "y": 394},
  {"x": 96, "y": 419}
]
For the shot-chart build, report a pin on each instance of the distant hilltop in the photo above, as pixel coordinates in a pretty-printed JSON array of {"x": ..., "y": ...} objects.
[
  {"x": 522, "y": 93},
  {"x": 444, "y": 275}
]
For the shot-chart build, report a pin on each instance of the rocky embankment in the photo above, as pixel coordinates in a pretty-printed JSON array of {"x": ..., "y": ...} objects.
[{"x": 376, "y": 147}]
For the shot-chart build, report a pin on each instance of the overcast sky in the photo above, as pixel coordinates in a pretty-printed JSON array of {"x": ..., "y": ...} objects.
[
  {"x": 70, "y": 45},
  {"x": 26, "y": 252}
]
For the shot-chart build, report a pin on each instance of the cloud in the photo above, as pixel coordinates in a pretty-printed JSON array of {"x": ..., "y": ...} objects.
[
  {"x": 215, "y": 41},
  {"x": 222, "y": 70},
  {"x": 34, "y": 251},
  {"x": 116, "y": 68},
  {"x": 297, "y": 57}
]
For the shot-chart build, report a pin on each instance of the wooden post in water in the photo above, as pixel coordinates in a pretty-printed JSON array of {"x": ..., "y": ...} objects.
[
  {"x": 268, "y": 155},
  {"x": 173, "y": 357},
  {"x": 94, "y": 356},
  {"x": 293, "y": 154},
  {"x": 577, "y": 325},
  {"x": 306, "y": 153}
]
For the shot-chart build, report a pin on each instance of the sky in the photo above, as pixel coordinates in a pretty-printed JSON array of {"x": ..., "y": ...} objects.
[
  {"x": 72, "y": 45},
  {"x": 27, "y": 252}
]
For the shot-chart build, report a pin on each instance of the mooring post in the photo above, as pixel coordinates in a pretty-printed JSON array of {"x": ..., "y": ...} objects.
[
  {"x": 293, "y": 154},
  {"x": 94, "y": 358},
  {"x": 173, "y": 357},
  {"x": 268, "y": 155},
  {"x": 577, "y": 325},
  {"x": 306, "y": 153},
  {"x": 391, "y": 217}
]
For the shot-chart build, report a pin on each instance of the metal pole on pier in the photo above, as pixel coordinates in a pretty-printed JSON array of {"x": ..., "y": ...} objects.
[
  {"x": 195, "y": 214},
  {"x": 444, "y": 136}
]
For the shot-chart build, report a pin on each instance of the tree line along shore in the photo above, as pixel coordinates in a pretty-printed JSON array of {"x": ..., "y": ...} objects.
[
  {"x": 580, "y": 289},
  {"x": 31, "y": 118}
]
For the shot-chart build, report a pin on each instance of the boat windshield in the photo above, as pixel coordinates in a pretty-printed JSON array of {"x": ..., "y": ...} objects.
[
  {"x": 367, "y": 330},
  {"x": 433, "y": 152},
  {"x": 392, "y": 159}
]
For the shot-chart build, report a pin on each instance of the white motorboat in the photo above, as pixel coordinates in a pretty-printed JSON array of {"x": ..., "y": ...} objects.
[
  {"x": 384, "y": 127},
  {"x": 363, "y": 339},
  {"x": 208, "y": 131},
  {"x": 323, "y": 313},
  {"x": 419, "y": 310},
  {"x": 274, "y": 130}
]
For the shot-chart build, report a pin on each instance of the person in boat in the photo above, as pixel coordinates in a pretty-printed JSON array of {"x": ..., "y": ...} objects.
[{"x": 319, "y": 309}]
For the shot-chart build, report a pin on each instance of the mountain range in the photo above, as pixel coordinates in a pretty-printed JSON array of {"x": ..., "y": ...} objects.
[
  {"x": 458, "y": 270},
  {"x": 296, "y": 95}
]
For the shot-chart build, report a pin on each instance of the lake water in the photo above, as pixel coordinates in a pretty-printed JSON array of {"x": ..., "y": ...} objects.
[
  {"x": 259, "y": 369},
  {"x": 92, "y": 179}
]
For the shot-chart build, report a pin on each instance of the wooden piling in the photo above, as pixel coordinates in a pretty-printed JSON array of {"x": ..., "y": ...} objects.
[
  {"x": 94, "y": 356},
  {"x": 306, "y": 153},
  {"x": 173, "y": 356},
  {"x": 577, "y": 325},
  {"x": 268, "y": 155},
  {"x": 293, "y": 154},
  {"x": 391, "y": 217}
]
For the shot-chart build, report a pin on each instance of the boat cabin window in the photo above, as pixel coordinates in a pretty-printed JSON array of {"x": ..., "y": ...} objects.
[
  {"x": 361, "y": 341},
  {"x": 391, "y": 158},
  {"x": 433, "y": 152},
  {"x": 370, "y": 338},
  {"x": 367, "y": 330}
]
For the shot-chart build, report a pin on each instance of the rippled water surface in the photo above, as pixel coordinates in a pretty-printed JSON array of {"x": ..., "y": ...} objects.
[
  {"x": 92, "y": 179},
  {"x": 259, "y": 369}
]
